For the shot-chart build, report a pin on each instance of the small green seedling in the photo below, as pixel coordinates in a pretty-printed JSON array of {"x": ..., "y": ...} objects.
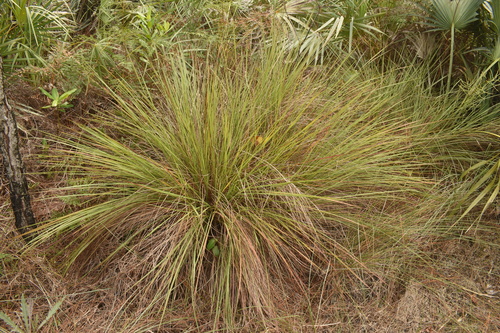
[
  {"x": 212, "y": 246},
  {"x": 45, "y": 144},
  {"x": 30, "y": 322},
  {"x": 58, "y": 101}
]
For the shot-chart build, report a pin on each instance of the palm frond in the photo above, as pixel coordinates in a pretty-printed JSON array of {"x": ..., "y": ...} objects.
[{"x": 445, "y": 14}]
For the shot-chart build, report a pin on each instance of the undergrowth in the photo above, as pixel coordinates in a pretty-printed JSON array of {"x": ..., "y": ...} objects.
[{"x": 315, "y": 184}]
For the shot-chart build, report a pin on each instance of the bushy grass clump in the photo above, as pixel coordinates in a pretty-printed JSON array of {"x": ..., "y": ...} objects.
[{"x": 242, "y": 183}]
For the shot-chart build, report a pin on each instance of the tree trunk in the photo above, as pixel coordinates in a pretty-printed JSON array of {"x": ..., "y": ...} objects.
[{"x": 13, "y": 165}]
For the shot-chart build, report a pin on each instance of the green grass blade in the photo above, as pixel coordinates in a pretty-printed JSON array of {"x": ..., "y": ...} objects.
[
  {"x": 51, "y": 312},
  {"x": 11, "y": 323}
]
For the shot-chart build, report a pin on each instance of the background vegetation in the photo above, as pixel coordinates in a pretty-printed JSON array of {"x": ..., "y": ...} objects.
[{"x": 254, "y": 166}]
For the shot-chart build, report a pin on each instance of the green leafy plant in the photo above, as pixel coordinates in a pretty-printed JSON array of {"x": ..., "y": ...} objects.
[
  {"x": 30, "y": 323},
  {"x": 212, "y": 246},
  {"x": 45, "y": 144},
  {"x": 153, "y": 32},
  {"x": 29, "y": 29},
  {"x": 313, "y": 30},
  {"x": 492, "y": 8},
  {"x": 58, "y": 101},
  {"x": 357, "y": 14},
  {"x": 451, "y": 16}
]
